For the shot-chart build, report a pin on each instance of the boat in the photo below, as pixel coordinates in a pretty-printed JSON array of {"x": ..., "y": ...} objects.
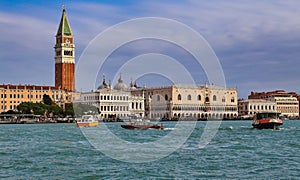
[
  {"x": 267, "y": 120},
  {"x": 139, "y": 123},
  {"x": 87, "y": 121}
]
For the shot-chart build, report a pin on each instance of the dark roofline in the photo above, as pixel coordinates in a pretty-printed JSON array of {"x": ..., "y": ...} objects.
[{"x": 28, "y": 86}]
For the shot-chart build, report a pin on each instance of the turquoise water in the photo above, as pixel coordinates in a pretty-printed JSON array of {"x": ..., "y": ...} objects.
[{"x": 61, "y": 151}]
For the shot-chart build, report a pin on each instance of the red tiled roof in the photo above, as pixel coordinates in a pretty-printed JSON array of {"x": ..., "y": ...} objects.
[{"x": 28, "y": 86}]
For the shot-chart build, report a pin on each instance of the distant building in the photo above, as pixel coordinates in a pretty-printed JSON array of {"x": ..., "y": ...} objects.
[
  {"x": 286, "y": 103},
  {"x": 189, "y": 102},
  {"x": 248, "y": 108},
  {"x": 113, "y": 103},
  {"x": 12, "y": 95}
]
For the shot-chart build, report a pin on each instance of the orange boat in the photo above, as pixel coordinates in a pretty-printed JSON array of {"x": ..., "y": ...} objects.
[
  {"x": 87, "y": 121},
  {"x": 267, "y": 120}
]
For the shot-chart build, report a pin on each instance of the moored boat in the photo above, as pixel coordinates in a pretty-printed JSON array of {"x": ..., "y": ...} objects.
[
  {"x": 267, "y": 120},
  {"x": 87, "y": 121}
]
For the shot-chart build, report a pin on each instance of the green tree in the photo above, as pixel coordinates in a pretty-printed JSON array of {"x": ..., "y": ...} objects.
[
  {"x": 69, "y": 110},
  {"x": 81, "y": 109},
  {"x": 47, "y": 100}
]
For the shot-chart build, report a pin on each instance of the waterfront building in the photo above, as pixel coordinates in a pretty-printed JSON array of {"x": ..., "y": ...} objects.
[
  {"x": 286, "y": 103},
  {"x": 189, "y": 102},
  {"x": 12, "y": 95},
  {"x": 249, "y": 107},
  {"x": 65, "y": 56},
  {"x": 114, "y": 103}
]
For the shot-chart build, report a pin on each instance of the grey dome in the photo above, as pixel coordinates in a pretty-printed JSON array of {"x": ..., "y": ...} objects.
[{"x": 120, "y": 85}]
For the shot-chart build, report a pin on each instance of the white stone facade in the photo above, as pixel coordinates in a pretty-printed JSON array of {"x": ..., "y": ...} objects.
[
  {"x": 286, "y": 105},
  {"x": 113, "y": 103},
  {"x": 250, "y": 107},
  {"x": 190, "y": 102}
]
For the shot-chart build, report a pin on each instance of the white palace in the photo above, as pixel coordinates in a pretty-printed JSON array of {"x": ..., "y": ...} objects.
[
  {"x": 116, "y": 102},
  {"x": 169, "y": 102},
  {"x": 189, "y": 102}
]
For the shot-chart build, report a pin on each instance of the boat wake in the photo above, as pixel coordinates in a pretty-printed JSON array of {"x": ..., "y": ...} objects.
[{"x": 169, "y": 129}]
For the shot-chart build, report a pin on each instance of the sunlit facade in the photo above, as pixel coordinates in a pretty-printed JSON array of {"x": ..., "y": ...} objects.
[
  {"x": 189, "y": 102},
  {"x": 250, "y": 107},
  {"x": 12, "y": 95},
  {"x": 114, "y": 103}
]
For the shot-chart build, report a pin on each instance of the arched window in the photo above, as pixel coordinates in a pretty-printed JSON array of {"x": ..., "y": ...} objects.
[
  {"x": 232, "y": 99},
  {"x": 199, "y": 97},
  {"x": 207, "y": 99},
  {"x": 179, "y": 97},
  {"x": 223, "y": 99},
  {"x": 166, "y": 97},
  {"x": 189, "y": 97},
  {"x": 158, "y": 97},
  {"x": 214, "y": 98}
]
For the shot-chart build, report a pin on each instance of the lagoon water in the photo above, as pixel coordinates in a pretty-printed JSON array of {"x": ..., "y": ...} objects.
[{"x": 61, "y": 151}]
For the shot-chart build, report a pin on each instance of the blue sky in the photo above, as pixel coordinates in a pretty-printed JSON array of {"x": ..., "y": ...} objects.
[{"x": 257, "y": 42}]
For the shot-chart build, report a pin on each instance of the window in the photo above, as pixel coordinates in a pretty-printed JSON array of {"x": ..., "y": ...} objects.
[
  {"x": 214, "y": 98},
  {"x": 179, "y": 97},
  {"x": 223, "y": 99},
  {"x": 207, "y": 99},
  {"x": 189, "y": 97},
  {"x": 232, "y": 99},
  {"x": 199, "y": 97},
  {"x": 158, "y": 97},
  {"x": 166, "y": 97}
]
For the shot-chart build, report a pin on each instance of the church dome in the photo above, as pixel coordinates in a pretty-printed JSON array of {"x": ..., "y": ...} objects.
[
  {"x": 120, "y": 85},
  {"x": 103, "y": 85}
]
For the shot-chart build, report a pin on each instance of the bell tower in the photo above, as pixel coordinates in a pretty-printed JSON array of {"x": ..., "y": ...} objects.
[{"x": 65, "y": 55}]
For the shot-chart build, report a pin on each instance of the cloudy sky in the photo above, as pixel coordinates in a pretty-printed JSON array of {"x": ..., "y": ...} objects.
[{"x": 257, "y": 42}]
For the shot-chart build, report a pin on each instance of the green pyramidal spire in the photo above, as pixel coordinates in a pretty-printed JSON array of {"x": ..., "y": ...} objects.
[{"x": 64, "y": 27}]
